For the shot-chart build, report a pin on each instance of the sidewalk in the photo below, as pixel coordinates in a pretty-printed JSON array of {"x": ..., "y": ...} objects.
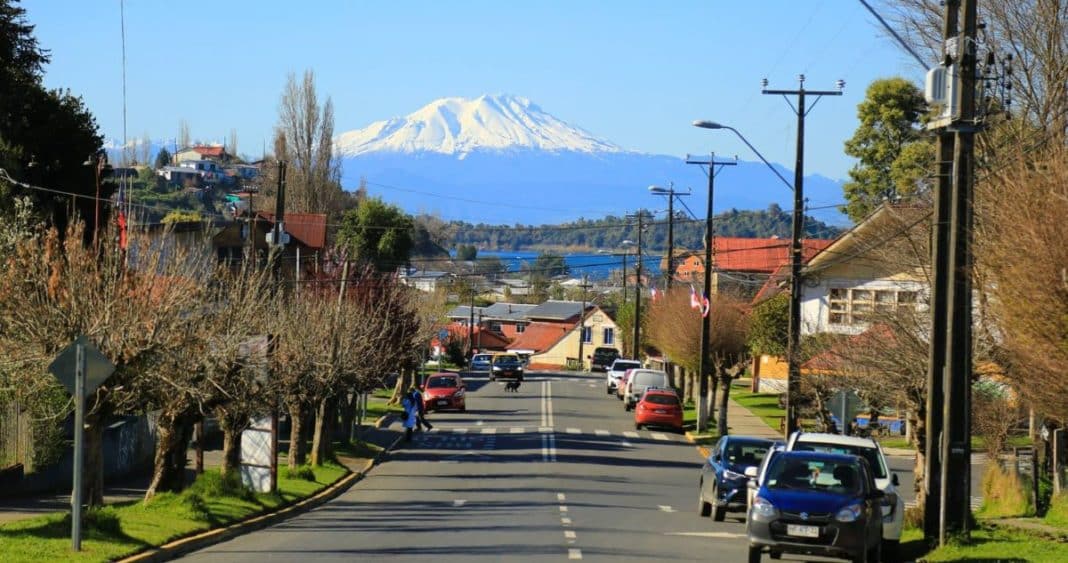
[
  {"x": 1033, "y": 526},
  {"x": 740, "y": 421}
]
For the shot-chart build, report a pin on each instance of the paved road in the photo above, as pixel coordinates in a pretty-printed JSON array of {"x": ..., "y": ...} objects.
[{"x": 554, "y": 472}]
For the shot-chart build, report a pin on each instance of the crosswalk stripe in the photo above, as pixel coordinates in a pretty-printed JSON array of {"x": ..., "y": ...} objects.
[
  {"x": 517, "y": 430},
  {"x": 574, "y": 554},
  {"x": 602, "y": 432},
  {"x": 489, "y": 430},
  {"x": 459, "y": 431},
  {"x": 630, "y": 434},
  {"x": 574, "y": 431},
  {"x": 659, "y": 436}
]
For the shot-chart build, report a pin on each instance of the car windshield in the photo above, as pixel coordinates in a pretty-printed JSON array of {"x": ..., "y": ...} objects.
[
  {"x": 623, "y": 366},
  {"x": 646, "y": 378},
  {"x": 869, "y": 454},
  {"x": 505, "y": 360},
  {"x": 441, "y": 383},
  {"x": 481, "y": 358},
  {"x": 661, "y": 399},
  {"x": 745, "y": 454},
  {"x": 801, "y": 473}
]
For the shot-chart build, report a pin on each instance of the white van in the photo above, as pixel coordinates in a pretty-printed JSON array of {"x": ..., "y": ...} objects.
[{"x": 640, "y": 380}]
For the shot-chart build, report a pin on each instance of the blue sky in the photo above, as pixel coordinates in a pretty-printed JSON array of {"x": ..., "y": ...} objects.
[{"x": 635, "y": 73}]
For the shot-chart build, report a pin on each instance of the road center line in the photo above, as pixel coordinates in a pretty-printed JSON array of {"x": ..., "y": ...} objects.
[
  {"x": 565, "y": 520},
  {"x": 561, "y": 497},
  {"x": 563, "y": 508},
  {"x": 569, "y": 534},
  {"x": 574, "y": 431},
  {"x": 601, "y": 432},
  {"x": 517, "y": 430},
  {"x": 574, "y": 553}
]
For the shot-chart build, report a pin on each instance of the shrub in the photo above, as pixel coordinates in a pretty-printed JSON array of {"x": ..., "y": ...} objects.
[
  {"x": 213, "y": 484},
  {"x": 1057, "y": 515},
  {"x": 304, "y": 472},
  {"x": 1005, "y": 494},
  {"x": 913, "y": 518}
]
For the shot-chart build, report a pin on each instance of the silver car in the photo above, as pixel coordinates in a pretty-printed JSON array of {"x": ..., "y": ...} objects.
[
  {"x": 615, "y": 373},
  {"x": 640, "y": 380}
]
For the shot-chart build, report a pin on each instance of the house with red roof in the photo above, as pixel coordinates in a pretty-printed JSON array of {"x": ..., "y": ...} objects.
[
  {"x": 215, "y": 153},
  {"x": 740, "y": 264},
  {"x": 556, "y": 328}
]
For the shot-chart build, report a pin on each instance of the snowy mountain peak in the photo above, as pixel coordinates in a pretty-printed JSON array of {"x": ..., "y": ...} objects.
[{"x": 458, "y": 126}]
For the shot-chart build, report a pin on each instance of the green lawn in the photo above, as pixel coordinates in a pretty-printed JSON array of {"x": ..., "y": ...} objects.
[
  {"x": 376, "y": 405},
  {"x": 689, "y": 422},
  {"x": 122, "y": 529},
  {"x": 1001, "y": 545},
  {"x": 764, "y": 405}
]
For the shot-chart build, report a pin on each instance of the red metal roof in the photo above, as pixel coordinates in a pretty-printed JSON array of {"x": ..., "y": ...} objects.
[
  {"x": 308, "y": 228},
  {"x": 763, "y": 255},
  {"x": 540, "y": 336},
  {"x": 210, "y": 151}
]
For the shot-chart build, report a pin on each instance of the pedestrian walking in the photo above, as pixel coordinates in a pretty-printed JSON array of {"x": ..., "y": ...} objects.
[
  {"x": 417, "y": 396},
  {"x": 411, "y": 415}
]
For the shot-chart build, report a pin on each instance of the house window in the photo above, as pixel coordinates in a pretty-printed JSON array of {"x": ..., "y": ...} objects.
[
  {"x": 495, "y": 326},
  {"x": 520, "y": 327},
  {"x": 853, "y": 307},
  {"x": 609, "y": 335},
  {"x": 587, "y": 334}
]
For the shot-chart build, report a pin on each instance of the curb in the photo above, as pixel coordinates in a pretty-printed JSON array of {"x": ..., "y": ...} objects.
[
  {"x": 182, "y": 546},
  {"x": 703, "y": 450}
]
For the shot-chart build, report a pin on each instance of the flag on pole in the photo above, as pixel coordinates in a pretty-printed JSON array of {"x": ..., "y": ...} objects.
[
  {"x": 706, "y": 306},
  {"x": 654, "y": 294},
  {"x": 695, "y": 301}
]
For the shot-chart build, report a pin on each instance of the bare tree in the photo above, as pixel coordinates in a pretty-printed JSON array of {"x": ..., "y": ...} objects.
[
  {"x": 184, "y": 139},
  {"x": 231, "y": 145},
  {"x": 304, "y": 139}
]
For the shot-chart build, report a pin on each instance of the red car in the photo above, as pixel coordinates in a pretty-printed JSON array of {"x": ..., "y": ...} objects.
[
  {"x": 443, "y": 391},
  {"x": 623, "y": 383},
  {"x": 658, "y": 407}
]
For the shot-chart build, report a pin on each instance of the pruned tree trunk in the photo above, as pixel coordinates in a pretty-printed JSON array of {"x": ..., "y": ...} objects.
[
  {"x": 296, "y": 437},
  {"x": 404, "y": 381},
  {"x": 713, "y": 385},
  {"x": 918, "y": 418},
  {"x": 348, "y": 414},
  {"x": 323, "y": 432},
  {"x": 724, "y": 397},
  {"x": 94, "y": 460},
  {"x": 233, "y": 425},
  {"x": 172, "y": 442}
]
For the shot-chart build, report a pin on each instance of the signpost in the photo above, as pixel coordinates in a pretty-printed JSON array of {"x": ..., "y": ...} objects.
[{"x": 81, "y": 368}]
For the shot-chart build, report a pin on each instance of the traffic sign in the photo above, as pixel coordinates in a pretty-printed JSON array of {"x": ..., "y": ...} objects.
[
  {"x": 97, "y": 367},
  {"x": 443, "y": 334}
]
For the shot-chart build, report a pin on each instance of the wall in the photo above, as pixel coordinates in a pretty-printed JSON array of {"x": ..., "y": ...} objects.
[
  {"x": 815, "y": 306},
  {"x": 568, "y": 347}
]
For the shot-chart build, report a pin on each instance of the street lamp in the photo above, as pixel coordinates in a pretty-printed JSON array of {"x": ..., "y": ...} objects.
[
  {"x": 672, "y": 194},
  {"x": 625, "y": 244},
  {"x": 703, "y": 124},
  {"x": 98, "y": 161}
]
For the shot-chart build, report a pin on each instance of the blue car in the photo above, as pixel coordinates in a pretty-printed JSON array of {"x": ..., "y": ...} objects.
[
  {"x": 481, "y": 362},
  {"x": 815, "y": 503},
  {"x": 723, "y": 482}
]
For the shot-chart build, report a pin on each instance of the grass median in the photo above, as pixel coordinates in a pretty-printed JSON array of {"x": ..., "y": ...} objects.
[
  {"x": 119, "y": 530},
  {"x": 764, "y": 405}
]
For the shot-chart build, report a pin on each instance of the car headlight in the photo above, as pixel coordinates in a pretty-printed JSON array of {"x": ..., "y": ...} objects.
[
  {"x": 496, "y": 368},
  {"x": 763, "y": 510},
  {"x": 728, "y": 474},
  {"x": 849, "y": 513}
]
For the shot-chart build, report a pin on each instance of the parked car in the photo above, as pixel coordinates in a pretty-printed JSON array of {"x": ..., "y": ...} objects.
[
  {"x": 723, "y": 485},
  {"x": 658, "y": 407},
  {"x": 443, "y": 391},
  {"x": 639, "y": 380},
  {"x": 602, "y": 358},
  {"x": 615, "y": 373},
  {"x": 506, "y": 365},
  {"x": 869, "y": 449},
  {"x": 481, "y": 362},
  {"x": 622, "y": 386},
  {"x": 815, "y": 503}
]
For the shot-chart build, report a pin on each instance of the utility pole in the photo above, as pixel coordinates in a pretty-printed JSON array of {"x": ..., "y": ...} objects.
[
  {"x": 471, "y": 326},
  {"x": 479, "y": 347},
  {"x": 638, "y": 289},
  {"x": 948, "y": 447},
  {"x": 582, "y": 321},
  {"x": 277, "y": 242},
  {"x": 793, "y": 353},
  {"x": 704, "y": 402}
]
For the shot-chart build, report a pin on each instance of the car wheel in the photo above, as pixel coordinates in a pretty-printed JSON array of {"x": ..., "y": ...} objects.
[
  {"x": 719, "y": 512},
  {"x": 754, "y": 554},
  {"x": 463, "y": 408},
  {"x": 493, "y": 377},
  {"x": 637, "y": 426},
  {"x": 775, "y": 555},
  {"x": 703, "y": 508},
  {"x": 627, "y": 407},
  {"x": 890, "y": 549}
]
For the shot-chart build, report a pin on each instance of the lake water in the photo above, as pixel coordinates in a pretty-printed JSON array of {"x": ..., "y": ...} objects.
[{"x": 597, "y": 266}]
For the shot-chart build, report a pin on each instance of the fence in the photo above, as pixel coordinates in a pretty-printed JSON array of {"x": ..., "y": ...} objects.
[{"x": 15, "y": 436}]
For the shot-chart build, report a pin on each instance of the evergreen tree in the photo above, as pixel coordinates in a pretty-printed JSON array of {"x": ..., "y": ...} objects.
[
  {"x": 377, "y": 233},
  {"x": 163, "y": 158}
]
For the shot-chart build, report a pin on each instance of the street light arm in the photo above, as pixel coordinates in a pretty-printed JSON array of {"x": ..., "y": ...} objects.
[{"x": 752, "y": 148}]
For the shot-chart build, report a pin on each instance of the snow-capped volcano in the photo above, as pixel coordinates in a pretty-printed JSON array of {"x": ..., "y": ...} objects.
[{"x": 458, "y": 126}]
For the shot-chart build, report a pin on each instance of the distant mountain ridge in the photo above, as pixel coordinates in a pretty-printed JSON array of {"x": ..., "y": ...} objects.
[{"x": 503, "y": 159}]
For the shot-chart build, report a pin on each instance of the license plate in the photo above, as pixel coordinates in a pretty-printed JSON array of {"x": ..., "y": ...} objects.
[
  {"x": 660, "y": 411},
  {"x": 803, "y": 531},
  {"x": 442, "y": 402}
]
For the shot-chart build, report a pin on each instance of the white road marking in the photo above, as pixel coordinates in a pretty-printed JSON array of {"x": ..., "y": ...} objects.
[
  {"x": 625, "y": 444},
  {"x": 724, "y": 535},
  {"x": 459, "y": 502},
  {"x": 561, "y": 497},
  {"x": 574, "y": 553},
  {"x": 489, "y": 430},
  {"x": 565, "y": 520},
  {"x": 602, "y": 432},
  {"x": 479, "y": 423},
  {"x": 574, "y": 431},
  {"x": 552, "y": 447},
  {"x": 569, "y": 534},
  {"x": 631, "y": 434},
  {"x": 517, "y": 430},
  {"x": 659, "y": 436},
  {"x": 563, "y": 508},
  {"x": 665, "y": 508},
  {"x": 545, "y": 429},
  {"x": 459, "y": 431}
]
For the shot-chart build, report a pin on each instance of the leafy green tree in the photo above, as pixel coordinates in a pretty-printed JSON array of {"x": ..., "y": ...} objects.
[
  {"x": 889, "y": 130},
  {"x": 769, "y": 326},
  {"x": 163, "y": 158},
  {"x": 377, "y": 233},
  {"x": 549, "y": 264},
  {"x": 466, "y": 252}
]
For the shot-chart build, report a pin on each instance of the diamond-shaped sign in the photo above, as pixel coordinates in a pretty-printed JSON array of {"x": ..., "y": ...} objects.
[{"x": 97, "y": 367}]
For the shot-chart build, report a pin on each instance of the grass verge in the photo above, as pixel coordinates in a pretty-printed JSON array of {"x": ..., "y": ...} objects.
[
  {"x": 994, "y": 544},
  {"x": 122, "y": 529},
  {"x": 689, "y": 422}
]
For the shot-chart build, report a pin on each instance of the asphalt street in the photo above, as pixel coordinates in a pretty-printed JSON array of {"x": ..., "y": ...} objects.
[{"x": 553, "y": 472}]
